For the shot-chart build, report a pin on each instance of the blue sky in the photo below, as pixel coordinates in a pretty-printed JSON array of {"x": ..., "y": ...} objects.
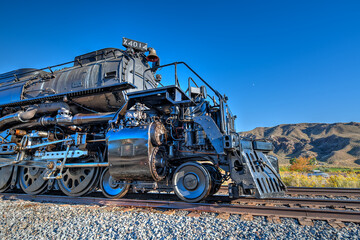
[{"x": 278, "y": 61}]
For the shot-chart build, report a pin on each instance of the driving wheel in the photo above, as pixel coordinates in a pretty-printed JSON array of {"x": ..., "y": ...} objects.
[
  {"x": 112, "y": 188},
  {"x": 216, "y": 178},
  {"x": 192, "y": 182},
  {"x": 32, "y": 181},
  {"x": 79, "y": 181},
  {"x": 5, "y": 177}
]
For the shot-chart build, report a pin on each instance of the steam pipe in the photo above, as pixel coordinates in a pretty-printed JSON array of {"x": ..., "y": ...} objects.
[
  {"x": 9, "y": 119},
  {"x": 29, "y": 114},
  {"x": 78, "y": 165},
  {"x": 77, "y": 119},
  {"x": 80, "y": 118},
  {"x": 51, "y": 107},
  {"x": 17, "y": 117}
]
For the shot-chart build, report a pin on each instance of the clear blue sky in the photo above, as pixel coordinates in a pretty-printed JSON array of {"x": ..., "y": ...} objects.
[{"x": 278, "y": 61}]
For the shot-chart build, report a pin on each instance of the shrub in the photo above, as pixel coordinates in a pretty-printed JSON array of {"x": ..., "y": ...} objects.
[{"x": 302, "y": 164}]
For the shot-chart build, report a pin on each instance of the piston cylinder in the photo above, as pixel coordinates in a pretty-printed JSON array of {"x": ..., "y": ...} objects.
[{"x": 134, "y": 154}]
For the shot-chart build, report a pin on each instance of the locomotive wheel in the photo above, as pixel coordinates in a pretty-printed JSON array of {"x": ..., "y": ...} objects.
[
  {"x": 215, "y": 178},
  {"x": 79, "y": 181},
  {"x": 112, "y": 188},
  {"x": 192, "y": 182},
  {"x": 5, "y": 177},
  {"x": 31, "y": 180}
]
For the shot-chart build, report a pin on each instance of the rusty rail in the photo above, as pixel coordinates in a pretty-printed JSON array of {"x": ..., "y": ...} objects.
[
  {"x": 303, "y": 202},
  {"x": 309, "y": 191},
  {"x": 269, "y": 211},
  {"x": 340, "y": 192}
]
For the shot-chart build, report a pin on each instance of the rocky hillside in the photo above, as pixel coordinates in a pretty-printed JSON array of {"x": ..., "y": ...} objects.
[{"x": 335, "y": 144}]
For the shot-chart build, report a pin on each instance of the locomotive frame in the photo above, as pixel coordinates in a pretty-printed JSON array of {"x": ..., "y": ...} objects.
[{"x": 108, "y": 123}]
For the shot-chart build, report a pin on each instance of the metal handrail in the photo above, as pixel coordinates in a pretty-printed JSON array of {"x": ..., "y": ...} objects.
[
  {"x": 222, "y": 100},
  {"x": 193, "y": 71}
]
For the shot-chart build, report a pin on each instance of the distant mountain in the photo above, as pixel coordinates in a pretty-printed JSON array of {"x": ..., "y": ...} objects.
[{"x": 335, "y": 144}]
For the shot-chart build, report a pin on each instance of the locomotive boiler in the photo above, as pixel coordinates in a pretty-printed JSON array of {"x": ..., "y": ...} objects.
[{"x": 110, "y": 122}]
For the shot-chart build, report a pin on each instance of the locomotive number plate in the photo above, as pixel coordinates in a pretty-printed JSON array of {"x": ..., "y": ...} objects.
[{"x": 135, "y": 44}]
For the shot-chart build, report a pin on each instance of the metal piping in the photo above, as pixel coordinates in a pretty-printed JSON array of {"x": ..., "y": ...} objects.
[
  {"x": 29, "y": 114},
  {"x": 80, "y": 118},
  {"x": 51, "y": 107},
  {"x": 16, "y": 118},
  {"x": 78, "y": 165},
  {"x": 9, "y": 119}
]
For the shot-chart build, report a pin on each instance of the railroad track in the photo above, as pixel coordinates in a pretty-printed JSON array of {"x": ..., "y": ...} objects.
[
  {"x": 303, "y": 202},
  {"x": 258, "y": 207},
  {"x": 328, "y": 192}
]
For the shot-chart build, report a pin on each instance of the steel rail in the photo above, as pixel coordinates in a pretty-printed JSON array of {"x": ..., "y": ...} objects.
[
  {"x": 324, "y": 191},
  {"x": 333, "y": 203},
  {"x": 315, "y": 191},
  {"x": 278, "y": 201},
  {"x": 270, "y": 211}
]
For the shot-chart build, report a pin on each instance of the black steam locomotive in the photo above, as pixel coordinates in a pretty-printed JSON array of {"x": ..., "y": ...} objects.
[{"x": 108, "y": 122}]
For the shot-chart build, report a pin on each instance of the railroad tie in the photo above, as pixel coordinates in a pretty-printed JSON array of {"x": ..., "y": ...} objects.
[
  {"x": 252, "y": 203},
  {"x": 339, "y": 208},
  {"x": 311, "y": 205},
  {"x": 194, "y": 214},
  {"x": 351, "y": 208},
  {"x": 146, "y": 210},
  {"x": 93, "y": 207},
  {"x": 306, "y": 221},
  {"x": 127, "y": 209},
  {"x": 274, "y": 219},
  {"x": 336, "y": 224},
  {"x": 65, "y": 205},
  {"x": 169, "y": 212},
  {"x": 270, "y": 204},
  {"x": 223, "y": 216},
  {"x": 292, "y": 205},
  {"x": 247, "y": 217}
]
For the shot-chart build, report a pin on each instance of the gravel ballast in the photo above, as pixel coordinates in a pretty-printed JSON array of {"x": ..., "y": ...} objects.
[{"x": 32, "y": 220}]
